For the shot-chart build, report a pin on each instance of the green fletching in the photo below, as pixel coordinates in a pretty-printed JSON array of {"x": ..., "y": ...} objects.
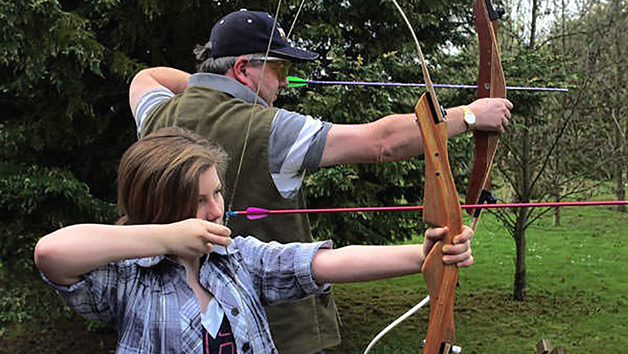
[{"x": 294, "y": 81}]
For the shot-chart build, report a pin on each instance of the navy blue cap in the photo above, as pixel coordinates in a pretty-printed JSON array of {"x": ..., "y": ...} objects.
[{"x": 248, "y": 32}]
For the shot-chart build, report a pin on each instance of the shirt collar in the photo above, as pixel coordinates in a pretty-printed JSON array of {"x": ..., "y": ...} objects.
[{"x": 226, "y": 85}]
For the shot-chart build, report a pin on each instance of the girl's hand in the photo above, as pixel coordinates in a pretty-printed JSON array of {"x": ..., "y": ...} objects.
[
  {"x": 459, "y": 253},
  {"x": 195, "y": 237}
]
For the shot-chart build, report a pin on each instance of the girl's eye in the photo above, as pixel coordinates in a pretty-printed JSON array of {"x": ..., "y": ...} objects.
[{"x": 218, "y": 192}]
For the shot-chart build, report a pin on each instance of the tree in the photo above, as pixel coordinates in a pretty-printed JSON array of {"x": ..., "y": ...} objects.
[{"x": 66, "y": 67}]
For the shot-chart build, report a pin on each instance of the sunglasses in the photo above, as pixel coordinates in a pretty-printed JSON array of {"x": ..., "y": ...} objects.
[{"x": 279, "y": 67}]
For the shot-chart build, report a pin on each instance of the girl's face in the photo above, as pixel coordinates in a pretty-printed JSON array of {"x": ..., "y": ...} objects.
[{"x": 210, "y": 203}]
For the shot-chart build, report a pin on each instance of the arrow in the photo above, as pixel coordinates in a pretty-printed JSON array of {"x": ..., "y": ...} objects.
[
  {"x": 294, "y": 81},
  {"x": 255, "y": 213}
]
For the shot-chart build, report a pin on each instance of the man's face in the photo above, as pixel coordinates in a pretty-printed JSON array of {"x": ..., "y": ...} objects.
[{"x": 268, "y": 77}]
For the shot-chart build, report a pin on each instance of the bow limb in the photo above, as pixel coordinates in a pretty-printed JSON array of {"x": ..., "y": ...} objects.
[{"x": 491, "y": 83}]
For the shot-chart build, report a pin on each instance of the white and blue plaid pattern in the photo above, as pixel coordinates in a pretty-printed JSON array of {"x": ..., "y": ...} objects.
[{"x": 155, "y": 311}]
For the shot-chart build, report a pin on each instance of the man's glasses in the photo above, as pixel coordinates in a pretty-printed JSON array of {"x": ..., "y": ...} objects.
[{"x": 279, "y": 67}]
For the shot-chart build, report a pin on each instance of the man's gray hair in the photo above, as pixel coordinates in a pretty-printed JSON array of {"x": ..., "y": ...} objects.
[{"x": 207, "y": 64}]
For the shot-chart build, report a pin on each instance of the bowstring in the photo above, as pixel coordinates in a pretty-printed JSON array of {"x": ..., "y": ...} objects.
[
  {"x": 294, "y": 21},
  {"x": 241, "y": 160},
  {"x": 255, "y": 101},
  {"x": 243, "y": 152},
  {"x": 250, "y": 121}
]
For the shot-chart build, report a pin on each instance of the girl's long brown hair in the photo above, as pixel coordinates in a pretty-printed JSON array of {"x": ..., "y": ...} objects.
[{"x": 158, "y": 176}]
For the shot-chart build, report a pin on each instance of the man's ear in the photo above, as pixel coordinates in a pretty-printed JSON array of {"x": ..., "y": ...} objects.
[{"x": 239, "y": 70}]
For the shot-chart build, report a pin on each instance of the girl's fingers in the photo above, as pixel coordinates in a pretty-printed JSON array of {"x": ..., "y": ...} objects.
[
  {"x": 461, "y": 260},
  {"x": 465, "y": 236},
  {"x": 219, "y": 229},
  {"x": 218, "y": 240},
  {"x": 466, "y": 263},
  {"x": 457, "y": 249}
]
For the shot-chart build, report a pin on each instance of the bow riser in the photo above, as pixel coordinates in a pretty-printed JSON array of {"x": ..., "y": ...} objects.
[{"x": 442, "y": 208}]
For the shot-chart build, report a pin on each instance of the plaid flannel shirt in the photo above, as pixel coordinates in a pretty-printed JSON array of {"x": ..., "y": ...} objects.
[{"x": 155, "y": 311}]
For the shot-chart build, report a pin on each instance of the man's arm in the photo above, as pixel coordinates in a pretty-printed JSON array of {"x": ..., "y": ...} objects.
[
  {"x": 398, "y": 137},
  {"x": 154, "y": 78}
]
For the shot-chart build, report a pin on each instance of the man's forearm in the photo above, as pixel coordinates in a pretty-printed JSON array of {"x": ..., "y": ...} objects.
[{"x": 154, "y": 78}]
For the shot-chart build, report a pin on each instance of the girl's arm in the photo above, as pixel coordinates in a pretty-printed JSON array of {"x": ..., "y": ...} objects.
[
  {"x": 364, "y": 263},
  {"x": 68, "y": 253}
]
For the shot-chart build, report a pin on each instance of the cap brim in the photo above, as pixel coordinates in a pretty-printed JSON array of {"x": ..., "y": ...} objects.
[{"x": 294, "y": 54}]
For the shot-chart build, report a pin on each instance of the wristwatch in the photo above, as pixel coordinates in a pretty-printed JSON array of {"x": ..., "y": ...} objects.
[{"x": 468, "y": 117}]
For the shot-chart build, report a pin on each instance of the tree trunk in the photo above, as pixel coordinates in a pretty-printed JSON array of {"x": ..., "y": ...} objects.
[
  {"x": 556, "y": 221},
  {"x": 520, "y": 262},
  {"x": 535, "y": 11},
  {"x": 522, "y": 217},
  {"x": 618, "y": 170},
  {"x": 620, "y": 139}
]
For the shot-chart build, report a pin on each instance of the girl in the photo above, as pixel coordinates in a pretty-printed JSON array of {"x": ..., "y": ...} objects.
[{"x": 170, "y": 277}]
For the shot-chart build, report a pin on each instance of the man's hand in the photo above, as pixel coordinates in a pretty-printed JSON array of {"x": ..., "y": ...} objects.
[
  {"x": 195, "y": 237},
  {"x": 459, "y": 253},
  {"x": 491, "y": 114}
]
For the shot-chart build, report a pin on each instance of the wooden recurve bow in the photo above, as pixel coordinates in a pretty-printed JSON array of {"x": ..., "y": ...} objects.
[
  {"x": 441, "y": 209},
  {"x": 491, "y": 83}
]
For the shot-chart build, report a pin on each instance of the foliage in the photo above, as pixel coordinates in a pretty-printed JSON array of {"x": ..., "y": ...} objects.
[
  {"x": 55, "y": 127},
  {"x": 33, "y": 200},
  {"x": 596, "y": 43}
]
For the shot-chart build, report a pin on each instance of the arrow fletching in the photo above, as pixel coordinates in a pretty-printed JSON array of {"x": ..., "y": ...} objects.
[
  {"x": 294, "y": 81},
  {"x": 253, "y": 213}
]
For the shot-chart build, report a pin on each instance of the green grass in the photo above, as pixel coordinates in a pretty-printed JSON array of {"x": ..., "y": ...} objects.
[{"x": 577, "y": 292}]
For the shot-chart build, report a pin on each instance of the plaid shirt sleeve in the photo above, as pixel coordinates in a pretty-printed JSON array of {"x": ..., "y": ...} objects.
[
  {"x": 281, "y": 272},
  {"x": 96, "y": 295}
]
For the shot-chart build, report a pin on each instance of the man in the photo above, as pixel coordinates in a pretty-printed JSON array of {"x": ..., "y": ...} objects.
[{"x": 230, "y": 101}]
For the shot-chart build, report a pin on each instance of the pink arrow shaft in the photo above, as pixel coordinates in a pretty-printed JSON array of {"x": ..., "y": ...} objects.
[{"x": 254, "y": 213}]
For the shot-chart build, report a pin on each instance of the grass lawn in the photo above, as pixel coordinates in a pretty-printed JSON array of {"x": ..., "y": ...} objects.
[{"x": 577, "y": 292}]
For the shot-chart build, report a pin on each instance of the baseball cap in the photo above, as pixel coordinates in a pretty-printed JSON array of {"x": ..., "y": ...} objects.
[{"x": 248, "y": 32}]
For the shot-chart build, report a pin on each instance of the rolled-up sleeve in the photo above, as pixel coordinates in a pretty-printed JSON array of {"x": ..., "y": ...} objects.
[
  {"x": 296, "y": 144},
  {"x": 282, "y": 272}
]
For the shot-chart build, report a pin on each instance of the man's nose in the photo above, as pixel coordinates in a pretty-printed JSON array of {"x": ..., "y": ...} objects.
[{"x": 283, "y": 83}]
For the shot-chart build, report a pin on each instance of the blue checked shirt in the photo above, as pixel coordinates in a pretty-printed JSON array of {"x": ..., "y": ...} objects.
[{"x": 155, "y": 311}]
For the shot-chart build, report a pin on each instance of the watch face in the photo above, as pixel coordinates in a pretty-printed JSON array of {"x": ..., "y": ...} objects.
[{"x": 469, "y": 117}]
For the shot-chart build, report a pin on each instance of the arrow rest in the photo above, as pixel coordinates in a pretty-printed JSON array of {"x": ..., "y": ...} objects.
[{"x": 486, "y": 197}]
